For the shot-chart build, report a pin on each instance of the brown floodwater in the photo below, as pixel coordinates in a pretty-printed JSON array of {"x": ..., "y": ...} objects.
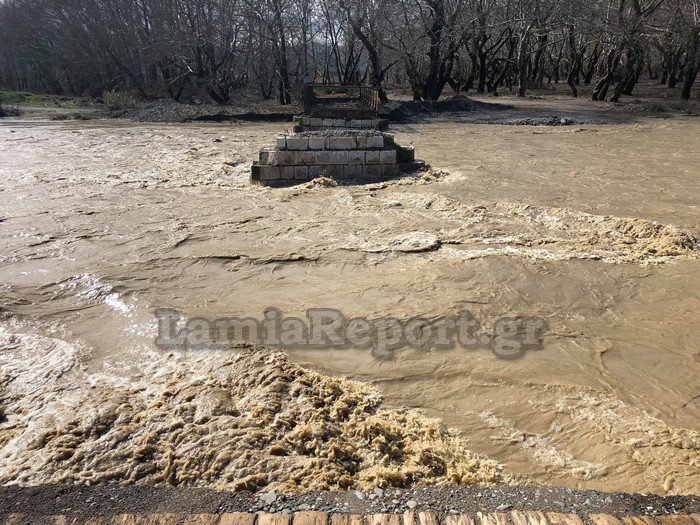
[{"x": 590, "y": 228}]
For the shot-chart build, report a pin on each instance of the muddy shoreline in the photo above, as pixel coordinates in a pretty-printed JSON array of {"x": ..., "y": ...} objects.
[
  {"x": 459, "y": 108},
  {"x": 506, "y": 111},
  {"x": 81, "y": 501}
]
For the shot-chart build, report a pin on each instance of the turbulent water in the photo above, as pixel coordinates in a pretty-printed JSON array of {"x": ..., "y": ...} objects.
[
  {"x": 247, "y": 420},
  {"x": 591, "y": 228}
]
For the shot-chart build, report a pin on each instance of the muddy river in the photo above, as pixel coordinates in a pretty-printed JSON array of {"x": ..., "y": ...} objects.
[{"x": 589, "y": 228}]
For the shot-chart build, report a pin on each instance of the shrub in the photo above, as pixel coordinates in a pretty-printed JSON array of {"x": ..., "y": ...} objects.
[
  {"x": 657, "y": 107},
  {"x": 6, "y": 111},
  {"x": 119, "y": 100}
]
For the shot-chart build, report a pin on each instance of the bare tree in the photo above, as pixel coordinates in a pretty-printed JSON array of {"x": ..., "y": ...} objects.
[{"x": 213, "y": 47}]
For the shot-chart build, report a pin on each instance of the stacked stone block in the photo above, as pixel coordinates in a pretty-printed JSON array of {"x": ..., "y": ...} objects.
[
  {"x": 338, "y": 155},
  {"x": 302, "y": 124}
]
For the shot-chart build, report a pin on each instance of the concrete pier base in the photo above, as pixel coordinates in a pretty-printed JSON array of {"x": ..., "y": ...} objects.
[{"x": 343, "y": 153}]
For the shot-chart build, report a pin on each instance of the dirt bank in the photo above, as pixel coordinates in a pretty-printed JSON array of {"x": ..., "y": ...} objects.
[
  {"x": 458, "y": 108},
  {"x": 104, "y": 501}
]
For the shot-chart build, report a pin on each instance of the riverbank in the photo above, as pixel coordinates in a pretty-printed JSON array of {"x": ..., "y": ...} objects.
[
  {"x": 77, "y": 501},
  {"x": 540, "y": 108}
]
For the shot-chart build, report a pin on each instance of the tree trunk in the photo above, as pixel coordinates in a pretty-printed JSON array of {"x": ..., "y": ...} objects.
[
  {"x": 284, "y": 89},
  {"x": 523, "y": 63},
  {"x": 672, "y": 79},
  {"x": 592, "y": 61},
  {"x": 220, "y": 98},
  {"x": 575, "y": 62},
  {"x": 483, "y": 71},
  {"x": 601, "y": 88},
  {"x": 571, "y": 83},
  {"x": 690, "y": 77},
  {"x": 376, "y": 74},
  {"x": 632, "y": 82},
  {"x": 266, "y": 89},
  {"x": 692, "y": 65},
  {"x": 536, "y": 77},
  {"x": 672, "y": 70},
  {"x": 439, "y": 62}
]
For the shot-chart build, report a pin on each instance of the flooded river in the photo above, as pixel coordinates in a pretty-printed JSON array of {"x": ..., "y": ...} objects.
[{"x": 590, "y": 228}]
